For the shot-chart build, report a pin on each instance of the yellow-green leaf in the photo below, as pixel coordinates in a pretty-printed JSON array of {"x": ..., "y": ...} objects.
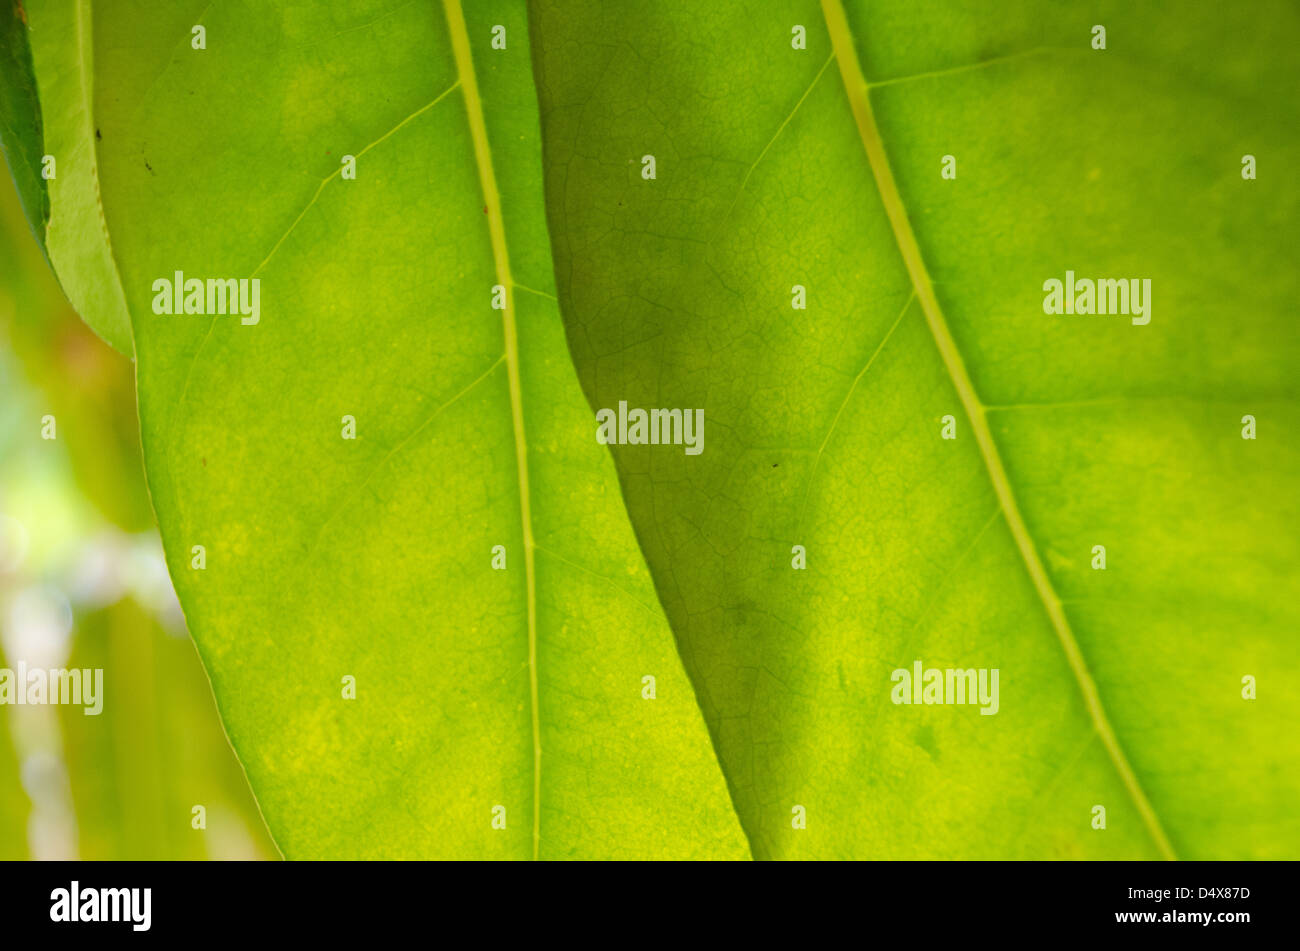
[
  {"x": 389, "y": 692},
  {"x": 820, "y": 165}
]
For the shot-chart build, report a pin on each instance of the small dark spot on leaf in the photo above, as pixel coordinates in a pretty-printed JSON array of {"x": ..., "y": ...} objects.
[
  {"x": 148, "y": 166},
  {"x": 97, "y": 135},
  {"x": 205, "y": 460}
]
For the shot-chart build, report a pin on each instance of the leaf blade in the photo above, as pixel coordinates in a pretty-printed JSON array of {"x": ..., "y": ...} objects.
[
  {"x": 75, "y": 235},
  {"x": 383, "y": 571},
  {"x": 677, "y": 292},
  {"x": 855, "y": 84}
]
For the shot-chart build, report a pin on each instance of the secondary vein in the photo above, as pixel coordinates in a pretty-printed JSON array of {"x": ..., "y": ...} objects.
[
  {"x": 855, "y": 84},
  {"x": 497, "y": 232}
]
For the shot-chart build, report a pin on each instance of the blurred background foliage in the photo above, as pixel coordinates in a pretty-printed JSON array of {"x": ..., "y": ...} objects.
[{"x": 83, "y": 584}]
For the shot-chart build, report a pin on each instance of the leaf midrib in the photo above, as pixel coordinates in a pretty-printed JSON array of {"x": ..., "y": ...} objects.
[
  {"x": 500, "y": 255},
  {"x": 856, "y": 87}
]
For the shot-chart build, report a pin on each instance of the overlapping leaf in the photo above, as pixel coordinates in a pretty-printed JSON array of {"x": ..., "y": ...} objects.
[
  {"x": 497, "y": 713},
  {"x": 794, "y": 145},
  {"x": 1120, "y": 688}
]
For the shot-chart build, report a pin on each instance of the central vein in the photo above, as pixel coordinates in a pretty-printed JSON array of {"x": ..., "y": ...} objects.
[
  {"x": 497, "y": 230},
  {"x": 855, "y": 84}
]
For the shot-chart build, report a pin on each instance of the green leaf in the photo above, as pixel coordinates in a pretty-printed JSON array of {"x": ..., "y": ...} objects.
[
  {"x": 821, "y": 167},
  {"x": 75, "y": 234},
  {"x": 328, "y": 558},
  {"x": 20, "y": 117},
  {"x": 778, "y": 164}
]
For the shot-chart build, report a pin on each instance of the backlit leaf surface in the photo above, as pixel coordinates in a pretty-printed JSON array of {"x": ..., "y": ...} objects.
[
  {"x": 821, "y": 167},
  {"x": 329, "y": 558}
]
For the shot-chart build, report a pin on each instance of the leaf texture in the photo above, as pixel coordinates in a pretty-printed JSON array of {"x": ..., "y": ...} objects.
[
  {"x": 497, "y": 713},
  {"x": 822, "y": 167}
]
